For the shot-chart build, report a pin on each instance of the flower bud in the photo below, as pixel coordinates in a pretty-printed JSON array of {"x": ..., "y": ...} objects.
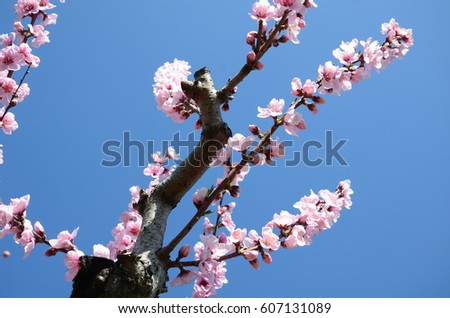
[
  {"x": 198, "y": 124},
  {"x": 318, "y": 100},
  {"x": 266, "y": 258},
  {"x": 251, "y": 36},
  {"x": 184, "y": 251},
  {"x": 251, "y": 56},
  {"x": 254, "y": 130},
  {"x": 258, "y": 66},
  {"x": 199, "y": 197},
  {"x": 312, "y": 108},
  {"x": 235, "y": 191},
  {"x": 254, "y": 264},
  {"x": 283, "y": 39},
  {"x": 6, "y": 254},
  {"x": 51, "y": 252}
]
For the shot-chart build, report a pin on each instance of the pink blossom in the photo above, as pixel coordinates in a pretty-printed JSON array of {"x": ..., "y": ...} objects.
[
  {"x": 6, "y": 214},
  {"x": 185, "y": 277},
  {"x": 135, "y": 192},
  {"x": 345, "y": 193},
  {"x": 239, "y": 176},
  {"x": 293, "y": 122},
  {"x": 200, "y": 196},
  {"x": 157, "y": 158},
  {"x": 330, "y": 198},
  {"x": 40, "y": 35},
  {"x": 7, "y": 39},
  {"x": 284, "y": 219},
  {"x": 10, "y": 58},
  {"x": 276, "y": 148},
  {"x": 250, "y": 255},
  {"x": 308, "y": 203},
  {"x": 8, "y": 87},
  {"x": 50, "y": 18},
  {"x": 295, "y": 24},
  {"x": 238, "y": 235},
  {"x": 296, "y": 237},
  {"x": 172, "y": 154},
  {"x": 298, "y": 89},
  {"x": 359, "y": 74},
  {"x": 23, "y": 92},
  {"x": 211, "y": 274},
  {"x": 226, "y": 209},
  {"x": 223, "y": 155},
  {"x": 240, "y": 143},
  {"x": 26, "y": 7},
  {"x": 346, "y": 53},
  {"x": 19, "y": 205},
  {"x": 154, "y": 170},
  {"x": 72, "y": 262},
  {"x": 121, "y": 244},
  {"x": 26, "y": 237},
  {"x": 208, "y": 226},
  {"x": 290, "y": 242},
  {"x": 334, "y": 79},
  {"x": 310, "y": 4},
  {"x": 295, "y": 5},
  {"x": 45, "y": 5},
  {"x": 372, "y": 54},
  {"x": 101, "y": 251},
  {"x": 262, "y": 10},
  {"x": 269, "y": 239},
  {"x": 29, "y": 58},
  {"x": 215, "y": 247},
  {"x": 167, "y": 89},
  {"x": 39, "y": 229},
  {"x": 249, "y": 244},
  {"x": 225, "y": 212},
  {"x": 274, "y": 109},
  {"x": 20, "y": 31},
  {"x": 395, "y": 33},
  {"x": 64, "y": 240}
]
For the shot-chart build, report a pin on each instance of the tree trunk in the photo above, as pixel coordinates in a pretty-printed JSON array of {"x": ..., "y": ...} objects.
[{"x": 143, "y": 273}]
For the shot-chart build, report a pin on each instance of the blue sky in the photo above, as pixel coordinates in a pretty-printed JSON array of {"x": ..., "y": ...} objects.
[{"x": 95, "y": 83}]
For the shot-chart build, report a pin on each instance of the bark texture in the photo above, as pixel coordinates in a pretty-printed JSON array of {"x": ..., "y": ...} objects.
[{"x": 143, "y": 273}]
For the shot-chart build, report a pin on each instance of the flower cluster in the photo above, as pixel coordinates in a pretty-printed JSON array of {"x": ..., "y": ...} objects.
[
  {"x": 263, "y": 11},
  {"x": 289, "y": 17},
  {"x": 125, "y": 233},
  {"x": 317, "y": 212},
  {"x": 211, "y": 273},
  {"x": 13, "y": 220},
  {"x": 332, "y": 79},
  {"x": 168, "y": 93},
  {"x": 157, "y": 170},
  {"x": 292, "y": 121},
  {"x": 16, "y": 53},
  {"x": 357, "y": 64}
]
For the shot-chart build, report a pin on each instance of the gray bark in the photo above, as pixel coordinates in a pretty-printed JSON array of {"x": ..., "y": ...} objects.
[{"x": 143, "y": 273}]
